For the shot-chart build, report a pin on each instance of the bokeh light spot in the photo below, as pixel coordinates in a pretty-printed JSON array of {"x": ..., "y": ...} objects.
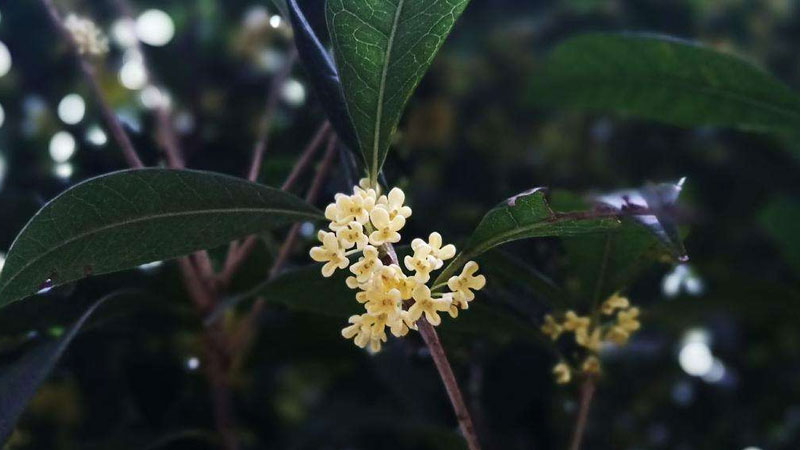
[{"x": 155, "y": 27}]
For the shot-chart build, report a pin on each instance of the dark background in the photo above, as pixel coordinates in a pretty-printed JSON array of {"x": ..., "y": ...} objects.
[{"x": 468, "y": 140}]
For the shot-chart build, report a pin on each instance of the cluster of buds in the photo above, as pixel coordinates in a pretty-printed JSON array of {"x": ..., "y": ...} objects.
[
  {"x": 615, "y": 322},
  {"x": 89, "y": 39},
  {"x": 367, "y": 222}
]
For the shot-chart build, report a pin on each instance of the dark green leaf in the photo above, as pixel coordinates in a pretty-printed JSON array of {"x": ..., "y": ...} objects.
[
  {"x": 781, "y": 218},
  {"x": 661, "y": 200},
  {"x": 665, "y": 79},
  {"x": 20, "y": 381},
  {"x": 604, "y": 263},
  {"x": 124, "y": 219},
  {"x": 322, "y": 74},
  {"x": 523, "y": 216},
  {"x": 382, "y": 49}
]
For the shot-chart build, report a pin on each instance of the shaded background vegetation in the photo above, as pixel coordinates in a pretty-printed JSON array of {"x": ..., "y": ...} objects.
[{"x": 469, "y": 139}]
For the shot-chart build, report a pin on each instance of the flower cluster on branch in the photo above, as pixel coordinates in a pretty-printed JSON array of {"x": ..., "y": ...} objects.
[
  {"x": 615, "y": 322},
  {"x": 368, "y": 222}
]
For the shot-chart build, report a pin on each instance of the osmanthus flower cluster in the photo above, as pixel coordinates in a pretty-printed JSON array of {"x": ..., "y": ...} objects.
[
  {"x": 614, "y": 323},
  {"x": 88, "y": 38},
  {"x": 367, "y": 222}
]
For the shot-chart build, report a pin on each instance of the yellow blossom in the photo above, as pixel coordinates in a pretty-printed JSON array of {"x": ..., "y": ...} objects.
[
  {"x": 394, "y": 203},
  {"x": 425, "y": 303},
  {"x": 574, "y": 322},
  {"x": 591, "y": 340},
  {"x": 365, "y": 184},
  {"x": 366, "y": 265},
  {"x": 422, "y": 263},
  {"x": 353, "y": 208},
  {"x": 384, "y": 302},
  {"x": 551, "y": 327},
  {"x": 617, "y": 335},
  {"x": 386, "y": 228},
  {"x": 629, "y": 319},
  {"x": 89, "y": 39},
  {"x": 464, "y": 283},
  {"x": 330, "y": 253},
  {"x": 562, "y": 373},
  {"x": 614, "y": 303},
  {"x": 352, "y": 235},
  {"x": 359, "y": 330},
  {"x": 591, "y": 365},
  {"x": 436, "y": 249}
]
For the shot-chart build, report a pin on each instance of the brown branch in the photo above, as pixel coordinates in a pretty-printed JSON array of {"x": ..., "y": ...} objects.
[
  {"x": 122, "y": 139},
  {"x": 431, "y": 339},
  {"x": 451, "y": 385},
  {"x": 273, "y": 97},
  {"x": 241, "y": 342},
  {"x": 587, "y": 393},
  {"x": 167, "y": 136},
  {"x": 237, "y": 254},
  {"x": 305, "y": 157}
]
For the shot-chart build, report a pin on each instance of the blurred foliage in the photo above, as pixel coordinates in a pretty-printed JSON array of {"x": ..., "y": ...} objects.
[{"x": 468, "y": 139}]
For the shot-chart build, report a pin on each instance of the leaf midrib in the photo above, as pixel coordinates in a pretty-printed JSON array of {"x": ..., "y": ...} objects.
[
  {"x": 382, "y": 93},
  {"x": 144, "y": 219}
]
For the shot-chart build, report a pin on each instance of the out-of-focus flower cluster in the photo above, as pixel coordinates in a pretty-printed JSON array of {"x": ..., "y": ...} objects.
[
  {"x": 88, "y": 38},
  {"x": 614, "y": 323},
  {"x": 367, "y": 222}
]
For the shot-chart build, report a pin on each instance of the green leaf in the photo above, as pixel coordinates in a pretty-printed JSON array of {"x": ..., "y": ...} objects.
[
  {"x": 124, "y": 219},
  {"x": 523, "y": 216},
  {"x": 780, "y": 219},
  {"x": 664, "y": 79},
  {"x": 20, "y": 380},
  {"x": 604, "y": 263},
  {"x": 383, "y": 48}
]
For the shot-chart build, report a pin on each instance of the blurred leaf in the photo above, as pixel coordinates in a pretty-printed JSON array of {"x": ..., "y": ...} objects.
[
  {"x": 20, "y": 380},
  {"x": 322, "y": 74},
  {"x": 523, "y": 216},
  {"x": 605, "y": 263},
  {"x": 502, "y": 266},
  {"x": 665, "y": 79},
  {"x": 383, "y": 48},
  {"x": 124, "y": 219},
  {"x": 658, "y": 198},
  {"x": 780, "y": 218}
]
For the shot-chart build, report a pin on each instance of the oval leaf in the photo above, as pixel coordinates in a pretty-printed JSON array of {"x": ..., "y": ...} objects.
[
  {"x": 124, "y": 219},
  {"x": 523, "y": 216},
  {"x": 665, "y": 79},
  {"x": 382, "y": 49}
]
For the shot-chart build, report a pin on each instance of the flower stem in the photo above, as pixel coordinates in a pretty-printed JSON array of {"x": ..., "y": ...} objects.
[
  {"x": 587, "y": 393},
  {"x": 431, "y": 339},
  {"x": 451, "y": 385}
]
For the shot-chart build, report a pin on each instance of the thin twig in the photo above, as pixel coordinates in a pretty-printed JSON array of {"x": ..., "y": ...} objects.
[
  {"x": 122, "y": 139},
  {"x": 587, "y": 393},
  {"x": 305, "y": 157},
  {"x": 451, "y": 385},
  {"x": 167, "y": 135},
  {"x": 273, "y": 97},
  {"x": 242, "y": 341},
  {"x": 431, "y": 339},
  {"x": 237, "y": 254}
]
